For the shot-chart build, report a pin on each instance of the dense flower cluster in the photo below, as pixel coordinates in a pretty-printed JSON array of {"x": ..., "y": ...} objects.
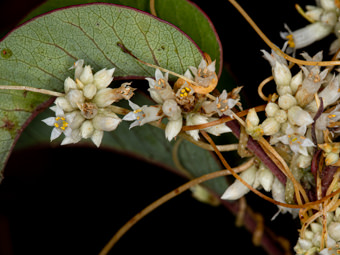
[{"x": 86, "y": 109}]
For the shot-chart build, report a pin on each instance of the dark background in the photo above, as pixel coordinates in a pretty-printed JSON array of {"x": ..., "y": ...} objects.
[{"x": 71, "y": 200}]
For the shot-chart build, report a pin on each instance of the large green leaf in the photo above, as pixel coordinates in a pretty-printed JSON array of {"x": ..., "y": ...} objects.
[
  {"x": 39, "y": 53},
  {"x": 181, "y": 13},
  {"x": 146, "y": 142}
]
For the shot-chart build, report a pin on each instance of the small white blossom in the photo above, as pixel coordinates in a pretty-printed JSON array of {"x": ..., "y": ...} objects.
[
  {"x": 142, "y": 115},
  {"x": 204, "y": 74},
  {"x": 296, "y": 140},
  {"x": 160, "y": 89},
  {"x": 61, "y": 123},
  {"x": 306, "y": 36}
]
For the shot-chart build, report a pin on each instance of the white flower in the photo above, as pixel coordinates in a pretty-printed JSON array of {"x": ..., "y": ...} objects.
[
  {"x": 238, "y": 189},
  {"x": 87, "y": 105},
  {"x": 61, "y": 123},
  {"x": 306, "y": 36},
  {"x": 160, "y": 89},
  {"x": 326, "y": 119},
  {"x": 142, "y": 115},
  {"x": 224, "y": 104},
  {"x": 280, "y": 70},
  {"x": 296, "y": 140},
  {"x": 204, "y": 74}
]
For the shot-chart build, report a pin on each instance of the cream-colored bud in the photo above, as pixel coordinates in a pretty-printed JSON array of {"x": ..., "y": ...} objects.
[
  {"x": 173, "y": 128},
  {"x": 297, "y": 116},
  {"x": 316, "y": 227},
  {"x": 106, "y": 122},
  {"x": 305, "y": 244},
  {"x": 69, "y": 84},
  {"x": 75, "y": 97},
  {"x": 303, "y": 161},
  {"x": 266, "y": 178},
  {"x": 97, "y": 137},
  {"x": 78, "y": 119},
  {"x": 86, "y": 129},
  {"x": 252, "y": 118},
  {"x": 172, "y": 110},
  {"x": 282, "y": 74},
  {"x": 329, "y": 18},
  {"x": 283, "y": 90},
  {"x": 271, "y": 109},
  {"x": 286, "y": 101},
  {"x": 281, "y": 116},
  {"x": 270, "y": 126},
  {"x": 309, "y": 234},
  {"x": 331, "y": 158},
  {"x": 104, "y": 97},
  {"x": 90, "y": 91},
  {"x": 86, "y": 76},
  {"x": 103, "y": 78},
  {"x": 64, "y": 104},
  {"x": 334, "y": 231},
  {"x": 328, "y": 4},
  {"x": 296, "y": 81},
  {"x": 238, "y": 189}
]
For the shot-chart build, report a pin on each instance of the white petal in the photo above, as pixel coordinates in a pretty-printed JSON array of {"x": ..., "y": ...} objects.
[
  {"x": 55, "y": 133},
  {"x": 49, "y": 121},
  {"x": 133, "y": 106},
  {"x": 158, "y": 74},
  {"x": 130, "y": 116}
]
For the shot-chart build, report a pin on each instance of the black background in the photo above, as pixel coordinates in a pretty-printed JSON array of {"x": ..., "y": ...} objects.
[{"x": 71, "y": 200}]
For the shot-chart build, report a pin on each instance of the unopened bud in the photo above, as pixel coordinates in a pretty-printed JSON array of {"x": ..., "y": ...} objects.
[
  {"x": 297, "y": 116},
  {"x": 286, "y": 101},
  {"x": 270, "y": 126},
  {"x": 86, "y": 129}
]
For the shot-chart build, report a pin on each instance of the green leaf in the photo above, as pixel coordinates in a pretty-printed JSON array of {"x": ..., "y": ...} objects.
[
  {"x": 42, "y": 50},
  {"x": 181, "y": 13},
  {"x": 145, "y": 142}
]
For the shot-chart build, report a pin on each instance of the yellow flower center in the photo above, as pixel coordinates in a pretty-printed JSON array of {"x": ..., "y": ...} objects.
[
  {"x": 184, "y": 92},
  {"x": 291, "y": 42},
  {"x": 60, "y": 123}
]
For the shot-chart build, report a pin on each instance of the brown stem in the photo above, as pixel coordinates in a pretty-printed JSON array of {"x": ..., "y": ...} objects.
[{"x": 254, "y": 147}]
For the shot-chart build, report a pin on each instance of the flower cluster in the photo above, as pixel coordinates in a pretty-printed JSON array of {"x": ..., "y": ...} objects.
[
  {"x": 310, "y": 242},
  {"x": 182, "y": 105},
  {"x": 85, "y": 111},
  {"x": 324, "y": 18}
]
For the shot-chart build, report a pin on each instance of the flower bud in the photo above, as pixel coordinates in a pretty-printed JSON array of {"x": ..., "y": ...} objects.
[
  {"x": 303, "y": 161},
  {"x": 90, "y": 91},
  {"x": 75, "y": 97},
  {"x": 86, "y": 76},
  {"x": 97, "y": 137},
  {"x": 297, "y": 116},
  {"x": 172, "y": 110},
  {"x": 86, "y": 129},
  {"x": 296, "y": 81},
  {"x": 195, "y": 119},
  {"x": 271, "y": 109},
  {"x": 270, "y": 126},
  {"x": 106, "y": 122},
  {"x": 281, "y": 116},
  {"x": 282, "y": 74},
  {"x": 64, "y": 104},
  {"x": 77, "y": 119},
  {"x": 69, "y": 84},
  {"x": 103, "y": 78},
  {"x": 334, "y": 231},
  {"x": 104, "y": 97},
  {"x": 331, "y": 158},
  {"x": 252, "y": 118},
  {"x": 173, "y": 128},
  {"x": 266, "y": 178},
  {"x": 237, "y": 189},
  {"x": 286, "y": 101}
]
